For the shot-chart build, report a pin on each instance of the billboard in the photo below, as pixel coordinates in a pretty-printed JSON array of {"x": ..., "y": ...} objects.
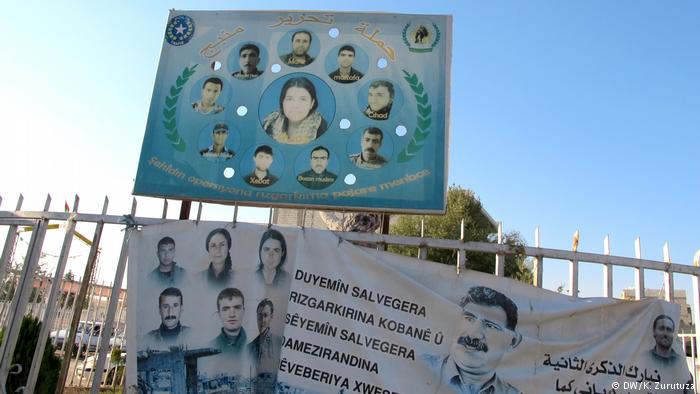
[
  {"x": 289, "y": 310},
  {"x": 307, "y": 109}
]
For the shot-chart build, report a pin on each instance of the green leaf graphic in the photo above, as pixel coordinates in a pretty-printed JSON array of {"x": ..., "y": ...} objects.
[
  {"x": 169, "y": 113},
  {"x": 424, "y": 111},
  {"x": 169, "y": 120},
  {"x": 423, "y": 120},
  {"x": 170, "y": 101}
]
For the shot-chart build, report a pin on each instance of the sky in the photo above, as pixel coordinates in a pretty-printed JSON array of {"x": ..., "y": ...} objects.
[{"x": 576, "y": 115}]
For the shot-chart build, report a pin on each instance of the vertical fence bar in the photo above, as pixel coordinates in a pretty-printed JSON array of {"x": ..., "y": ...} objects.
[
  {"x": 538, "y": 265},
  {"x": 10, "y": 240},
  {"x": 500, "y": 258},
  {"x": 47, "y": 321},
  {"x": 461, "y": 254},
  {"x": 607, "y": 270},
  {"x": 80, "y": 299},
  {"x": 21, "y": 297},
  {"x": 638, "y": 272},
  {"x": 668, "y": 275},
  {"x": 423, "y": 250},
  {"x": 573, "y": 277},
  {"x": 113, "y": 298},
  {"x": 573, "y": 268},
  {"x": 696, "y": 313},
  {"x": 165, "y": 208}
]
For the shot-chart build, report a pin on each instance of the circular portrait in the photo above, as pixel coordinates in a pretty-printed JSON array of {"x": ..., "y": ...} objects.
[
  {"x": 379, "y": 99},
  {"x": 370, "y": 148},
  {"x": 346, "y": 63},
  {"x": 247, "y": 61},
  {"x": 209, "y": 95},
  {"x": 262, "y": 166},
  {"x": 218, "y": 141},
  {"x": 297, "y": 108},
  {"x": 298, "y": 48},
  {"x": 317, "y": 167}
]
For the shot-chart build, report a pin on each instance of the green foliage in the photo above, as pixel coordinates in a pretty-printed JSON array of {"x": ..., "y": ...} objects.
[
  {"x": 24, "y": 351},
  {"x": 463, "y": 204}
]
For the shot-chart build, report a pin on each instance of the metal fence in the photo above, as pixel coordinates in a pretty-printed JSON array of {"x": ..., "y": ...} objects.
[{"x": 98, "y": 330}]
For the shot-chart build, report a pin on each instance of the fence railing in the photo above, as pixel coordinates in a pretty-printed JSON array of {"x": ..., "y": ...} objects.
[{"x": 91, "y": 359}]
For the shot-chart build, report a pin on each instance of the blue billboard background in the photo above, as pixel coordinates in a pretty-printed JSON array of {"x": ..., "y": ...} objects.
[{"x": 410, "y": 52}]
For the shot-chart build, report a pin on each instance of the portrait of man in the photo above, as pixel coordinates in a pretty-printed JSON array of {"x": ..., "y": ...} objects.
[
  {"x": 167, "y": 273},
  {"x": 662, "y": 330},
  {"x": 301, "y": 43},
  {"x": 663, "y": 359},
  {"x": 218, "y": 149},
  {"x": 265, "y": 349},
  {"x": 369, "y": 158},
  {"x": 318, "y": 177},
  {"x": 230, "y": 307},
  {"x": 345, "y": 72},
  {"x": 380, "y": 98},
  {"x": 486, "y": 332},
  {"x": 170, "y": 332},
  {"x": 211, "y": 89},
  {"x": 261, "y": 177},
  {"x": 248, "y": 59}
]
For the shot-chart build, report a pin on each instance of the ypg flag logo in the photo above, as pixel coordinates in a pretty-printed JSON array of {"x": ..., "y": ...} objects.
[
  {"x": 421, "y": 36},
  {"x": 180, "y": 30}
]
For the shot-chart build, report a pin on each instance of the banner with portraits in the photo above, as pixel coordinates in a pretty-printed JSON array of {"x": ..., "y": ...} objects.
[
  {"x": 308, "y": 109},
  {"x": 218, "y": 308}
]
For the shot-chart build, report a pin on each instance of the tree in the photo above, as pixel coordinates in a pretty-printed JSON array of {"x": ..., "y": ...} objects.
[
  {"x": 24, "y": 351},
  {"x": 463, "y": 204}
]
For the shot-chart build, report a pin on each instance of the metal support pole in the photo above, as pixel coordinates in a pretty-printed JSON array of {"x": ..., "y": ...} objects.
[
  {"x": 165, "y": 208},
  {"x": 80, "y": 299},
  {"x": 185, "y": 209},
  {"x": 111, "y": 309},
  {"x": 49, "y": 315},
  {"x": 19, "y": 301}
]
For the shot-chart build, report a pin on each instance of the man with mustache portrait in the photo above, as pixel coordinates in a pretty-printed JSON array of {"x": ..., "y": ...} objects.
[
  {"x": 486, "y": 332},
  {"x": 171, "y": 332},
  {"x": 370, "y": 142}
]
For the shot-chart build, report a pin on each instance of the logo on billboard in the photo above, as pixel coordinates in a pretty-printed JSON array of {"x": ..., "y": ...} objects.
[
  {"x": 180, "y": 30},
  {"x": 421, "y": 36}
]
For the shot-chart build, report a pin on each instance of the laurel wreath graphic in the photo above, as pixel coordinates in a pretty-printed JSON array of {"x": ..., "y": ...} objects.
[
  {"x": 169, "y": 112},
  {"x": 423, "y": 122}
]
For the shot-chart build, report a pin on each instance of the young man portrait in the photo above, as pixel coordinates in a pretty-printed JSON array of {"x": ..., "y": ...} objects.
[
  {"x": 261, "y": 176},
  {"x": 345, "y": 72},
  {"x": 218, "y": 149},
  {"x": 211, "y": 89}
]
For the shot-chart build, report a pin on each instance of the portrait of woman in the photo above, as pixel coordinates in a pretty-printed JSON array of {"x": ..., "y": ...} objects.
[
  {"x": 297, "y": 120},
  {"x": 272, "y": 254},
  {"x": 220, "y": 269}
]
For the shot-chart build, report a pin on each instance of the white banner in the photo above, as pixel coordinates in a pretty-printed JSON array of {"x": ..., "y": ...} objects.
[{"x": 250, "y": 309}]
